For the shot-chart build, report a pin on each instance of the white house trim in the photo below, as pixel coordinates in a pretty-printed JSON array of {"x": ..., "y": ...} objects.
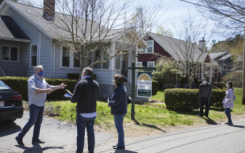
[
  {"x": 30, "y": 61},
  {"x": 16, "y": 39}
]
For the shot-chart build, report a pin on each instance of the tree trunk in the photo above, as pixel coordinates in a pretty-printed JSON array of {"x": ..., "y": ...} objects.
[
  {"x": 243, "y": 77},
  {"x": 82, "y": 56}
]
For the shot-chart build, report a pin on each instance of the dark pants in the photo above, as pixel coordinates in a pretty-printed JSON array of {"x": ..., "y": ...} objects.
[
  {"x": 81, "y": 124},
  {"x": 204, "y": 101},
  {"x": 118, "y": 119},
  {"x": 36, "y": 118},
  {"x": 228, "y": 114}
]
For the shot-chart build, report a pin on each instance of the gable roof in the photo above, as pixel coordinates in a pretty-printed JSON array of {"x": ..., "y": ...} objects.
[
  {"x": 50, "y": 28},
  {"x": 217, "y": 55},
  {"x": 11, "y": 31},
  {"x": 175, "y": 47},
  {"x": 239, "y": 59},
  {"x": 225, "y": 57}
]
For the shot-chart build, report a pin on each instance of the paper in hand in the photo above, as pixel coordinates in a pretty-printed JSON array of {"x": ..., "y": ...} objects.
[{"x": 69, "y": 92}]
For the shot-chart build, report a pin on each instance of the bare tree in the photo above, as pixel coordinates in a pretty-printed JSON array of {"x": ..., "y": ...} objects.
[
  {"x": 88, "y": 27},
  {"x": 193, "y": 59}
]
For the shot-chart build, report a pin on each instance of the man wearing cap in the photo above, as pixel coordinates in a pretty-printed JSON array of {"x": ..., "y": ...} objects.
[{"x": 205, "y": 93}]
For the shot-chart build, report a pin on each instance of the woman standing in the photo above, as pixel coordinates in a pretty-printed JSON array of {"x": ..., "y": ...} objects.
[
  {"x": 228, "y": 101},
  {"x": 118, "y": 104}
]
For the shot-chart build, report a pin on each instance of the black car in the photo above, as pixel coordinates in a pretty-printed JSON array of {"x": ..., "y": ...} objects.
[{"x": 10, "y": 103}]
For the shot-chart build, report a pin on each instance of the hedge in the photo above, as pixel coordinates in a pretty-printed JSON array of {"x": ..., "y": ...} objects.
[
  {"x": 221, "y": 85},
  {"x": 76, "y": 76},
  {"x": 188, "y": 99},
  {"x": 20, "y": 85},
  {"x": 154, "y": 87}
]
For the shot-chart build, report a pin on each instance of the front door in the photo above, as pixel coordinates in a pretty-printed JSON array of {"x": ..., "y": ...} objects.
[{"x": 124, "y": 69}]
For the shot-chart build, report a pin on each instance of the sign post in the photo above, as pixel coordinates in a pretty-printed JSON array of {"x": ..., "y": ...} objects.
[{"x": 133, "y": 68}]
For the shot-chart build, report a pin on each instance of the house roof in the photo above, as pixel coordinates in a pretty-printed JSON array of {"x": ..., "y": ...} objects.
[
  {"x": 176, "y": 47},
  {"x": 225, "y": 57},
  {"x": 57, "y": 29},
  {"x": 239, "y": 59},
  {"x": 215, "y": 56},
  {"x": 11, "y": 31}
]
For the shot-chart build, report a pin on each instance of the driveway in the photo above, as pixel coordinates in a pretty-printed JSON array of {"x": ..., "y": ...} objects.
[{"x": 59, "y": 137}]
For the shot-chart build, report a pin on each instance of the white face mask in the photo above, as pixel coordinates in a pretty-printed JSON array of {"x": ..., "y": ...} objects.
[{"x": 204, "y": 82}]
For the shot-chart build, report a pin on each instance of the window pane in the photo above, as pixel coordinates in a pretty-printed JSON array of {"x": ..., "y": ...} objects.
[
  {"x": 66, "y": 61},
  {"x": 117, "y": 62},
  {"x": 150, "y": 43},
  {"x": 5, "y": 53},
  {"x": 150, "y": 64},
  {"x": 34, "y": 60},
  {"x": 106, "y": 64},
  {"x": 150, "y": 49},
  {"x": 14, "y": 54},
  {"x": 76, "y": 62},
  {"x": 34, "y": 55},
  {"x": 97, "y": 57}
]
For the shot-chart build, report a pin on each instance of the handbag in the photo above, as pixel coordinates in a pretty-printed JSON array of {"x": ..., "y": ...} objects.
[
  {"x": 129, "y": 99},
  {"x": 234, "y": 97}
]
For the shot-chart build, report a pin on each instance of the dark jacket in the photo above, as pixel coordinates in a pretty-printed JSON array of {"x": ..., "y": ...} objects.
[
  {"x": 118, "y": 101},
  {"x": 85, "y": 94},
  {"x": 205, "y": 91}
]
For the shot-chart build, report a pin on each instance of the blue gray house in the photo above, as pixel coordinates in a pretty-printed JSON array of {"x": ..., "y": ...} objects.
[{"x": 28, "y": 39}]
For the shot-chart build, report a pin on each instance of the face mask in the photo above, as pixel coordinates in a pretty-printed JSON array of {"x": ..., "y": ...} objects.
[
  {"x": 40, "y": 73},
  {"x": 227, "y": 85},
  {"x": 204, "y": 82},
  {"x": 81, "y": 76}
]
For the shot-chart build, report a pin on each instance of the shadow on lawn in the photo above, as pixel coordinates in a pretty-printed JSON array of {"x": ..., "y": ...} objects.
[{"x": 148, "y": 125}]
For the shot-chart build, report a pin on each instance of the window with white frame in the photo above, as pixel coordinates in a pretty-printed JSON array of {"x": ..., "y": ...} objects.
[
  {"x": 34, "y": 55},
  {"x": 10, "y": 53},
  {"x": 151, "y": 46},
  {"x": 139, "y": 64},
  {"x": 65, "y": 57},
  {"x": 117, "y": 62},
  {"x": 150, "y": 64},
  {"x": 99, "y": 55}
]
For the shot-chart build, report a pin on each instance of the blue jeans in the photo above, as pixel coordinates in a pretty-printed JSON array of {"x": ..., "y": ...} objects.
[
  {"x": 228, "y": 114},
  {"x": 118, "y": 119},
  {"x": 36, "y": 118},
  {"x": 204, "y": 101},
  {"x": 81, "y": 124}
]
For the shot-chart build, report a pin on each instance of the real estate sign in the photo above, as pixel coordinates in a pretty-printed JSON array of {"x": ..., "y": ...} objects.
[{"x": 144, "y": 84}]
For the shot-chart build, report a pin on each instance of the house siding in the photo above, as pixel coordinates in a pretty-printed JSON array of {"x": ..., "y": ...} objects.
[
  {"x": 36, "y": 37},
  {"x": 153, "y": 57}
]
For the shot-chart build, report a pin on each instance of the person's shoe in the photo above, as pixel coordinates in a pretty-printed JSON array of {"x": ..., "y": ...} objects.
[
  {"x": 199, "y": 115},
  {"x": 119, "y": 147},
  {"x": 114, "y": 146},
  {"x": 230, "y": 123},
  {"x": 19, "y": 141},
  {"x": 38, "y": 141}
]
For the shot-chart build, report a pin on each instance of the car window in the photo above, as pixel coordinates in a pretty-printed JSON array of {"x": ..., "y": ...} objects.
[{"x": 3, "y": 86}]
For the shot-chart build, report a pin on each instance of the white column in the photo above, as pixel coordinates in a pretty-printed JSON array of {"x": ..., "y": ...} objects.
[
  {"x": 210, "y": 75},
  {"x": 112, "y": 61},
  {"x": 136, "y": 53}
]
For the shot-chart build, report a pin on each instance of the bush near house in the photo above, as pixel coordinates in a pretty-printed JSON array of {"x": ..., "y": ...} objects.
[
  {"x": 20, "y": 84},
  {"x": 220, "y": 85},
  {"x": 188, "y": 99},
  {"x": 154, "y": 87}
]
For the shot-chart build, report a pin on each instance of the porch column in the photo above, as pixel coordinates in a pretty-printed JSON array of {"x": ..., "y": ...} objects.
[
  {"x": 112, "y": 61},
  {"x": 136, "y": 53},
  {"x": 210, "y": 74}
]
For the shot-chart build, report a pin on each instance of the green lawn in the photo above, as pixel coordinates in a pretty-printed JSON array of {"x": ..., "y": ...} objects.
[
  {"x": 146, "y": 115},
  {"x": 158, "y": 97}
]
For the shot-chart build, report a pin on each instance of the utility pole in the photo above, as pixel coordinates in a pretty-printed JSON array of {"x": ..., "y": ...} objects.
[{"x": 243, "y": 77}]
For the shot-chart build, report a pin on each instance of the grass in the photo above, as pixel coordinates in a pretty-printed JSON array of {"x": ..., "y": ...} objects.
[
  {"x": 158, "y": 97},
  {"x": 146, "y": 116}
]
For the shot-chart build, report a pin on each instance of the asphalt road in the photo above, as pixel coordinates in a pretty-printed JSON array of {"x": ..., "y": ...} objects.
[{"x": 61, "y": 137}]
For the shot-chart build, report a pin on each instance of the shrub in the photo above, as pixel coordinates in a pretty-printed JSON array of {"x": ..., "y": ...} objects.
[
  {"x": 154, "y": 87},
  {"x": 188, "y": 99},
  {"x": 19, "y": 84},
  {"x": 221, "y": 85}
]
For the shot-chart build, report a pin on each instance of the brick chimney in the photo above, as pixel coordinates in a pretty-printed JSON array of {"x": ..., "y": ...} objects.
[
  {"x": 49, "y": 10},
  {"x": 202, "y": 44}
]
